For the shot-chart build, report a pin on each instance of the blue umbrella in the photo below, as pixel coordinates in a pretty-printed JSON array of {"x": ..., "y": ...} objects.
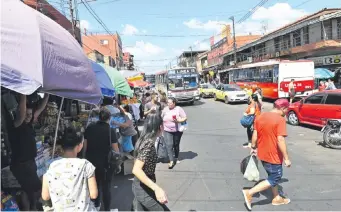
[
  {"x": 103, "y": 79},
  {"x": 323, "y": 73}
]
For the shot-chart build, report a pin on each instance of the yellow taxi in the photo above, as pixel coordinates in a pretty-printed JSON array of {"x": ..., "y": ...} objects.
[
  {"x": 206, "y": 90},
  {"x": 230, "y": 93}
]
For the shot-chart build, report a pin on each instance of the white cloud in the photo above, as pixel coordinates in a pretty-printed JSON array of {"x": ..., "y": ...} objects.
[
  {"x": 84, "y": 24},
  {"x": 129, "y": 29},
  {"x": 209, "y": 25},
  {"x": 273, "y": 17},
  {"x": 201, "y": 45},
  {"x": 144, "y": 49}
]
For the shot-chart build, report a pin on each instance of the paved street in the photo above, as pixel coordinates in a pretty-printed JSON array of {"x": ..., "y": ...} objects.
[{"x": 209, "y": 176}]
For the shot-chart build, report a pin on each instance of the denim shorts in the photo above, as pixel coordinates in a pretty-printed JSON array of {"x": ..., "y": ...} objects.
[{"x": 274, "y": 171}]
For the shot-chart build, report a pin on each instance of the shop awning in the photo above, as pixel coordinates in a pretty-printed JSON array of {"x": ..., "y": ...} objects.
[
  {"x": 138, "y": 83},
  {"x": 323, "y": 73},
  {"x": 103, "y": 80},
  {"x": 120, "y": 83},
  {"x": 37, "y": 53}
]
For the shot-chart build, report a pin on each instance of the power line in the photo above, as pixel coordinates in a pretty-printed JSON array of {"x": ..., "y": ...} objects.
[{"x": 154, "y": 35}]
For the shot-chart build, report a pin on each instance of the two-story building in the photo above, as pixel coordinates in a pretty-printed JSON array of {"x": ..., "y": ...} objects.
[
  {"x": 110, "y": 46},
  {"x": 188, "y": 58},
  {"x": 316, "y": 37}
]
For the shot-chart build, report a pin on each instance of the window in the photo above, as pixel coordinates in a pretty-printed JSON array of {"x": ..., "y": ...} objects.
[
  {"x": 104, "y": 42},
  {"x": 338, "y": 26},
  {"x": 315, "y": 99},
  {"x": 296, "y": 38},
  {"x": 305, "y": 35},
  {"x": 333, "y": 99}
]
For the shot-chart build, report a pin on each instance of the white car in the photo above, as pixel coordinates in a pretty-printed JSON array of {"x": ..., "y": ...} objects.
[{"x": 230, "y": 93}]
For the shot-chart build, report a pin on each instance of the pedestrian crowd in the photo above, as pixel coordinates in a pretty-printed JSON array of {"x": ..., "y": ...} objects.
[{"x": 81, "y": 179}]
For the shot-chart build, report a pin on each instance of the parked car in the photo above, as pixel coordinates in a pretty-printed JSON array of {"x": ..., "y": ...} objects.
[
  {"x": 206, "y": 90},
  {"x": 230, "y": 93},
  {"x": 316, "y": 108}
]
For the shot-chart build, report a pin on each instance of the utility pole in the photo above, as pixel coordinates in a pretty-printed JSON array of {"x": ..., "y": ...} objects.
[
  {"x": 234, "y": 41},
  {"x": 191, "y": 55},
  {"x": 72, "y": 19}
]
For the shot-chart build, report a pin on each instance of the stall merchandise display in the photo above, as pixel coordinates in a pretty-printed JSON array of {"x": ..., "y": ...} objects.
[{"x": 8, "y": 202}]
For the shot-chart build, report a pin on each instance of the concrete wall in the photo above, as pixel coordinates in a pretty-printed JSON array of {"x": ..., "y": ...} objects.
[{"x": 315, "y": 32}]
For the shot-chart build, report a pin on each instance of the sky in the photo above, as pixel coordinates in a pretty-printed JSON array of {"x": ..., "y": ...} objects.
[{"x": 195, "y": 20}]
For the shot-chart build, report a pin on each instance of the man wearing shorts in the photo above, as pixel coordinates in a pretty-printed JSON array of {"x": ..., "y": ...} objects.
[{"x": 268, "y": 138}]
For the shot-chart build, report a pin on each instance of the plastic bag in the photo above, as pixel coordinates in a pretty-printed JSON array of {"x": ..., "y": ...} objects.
[{"x": 251, "y": 172}]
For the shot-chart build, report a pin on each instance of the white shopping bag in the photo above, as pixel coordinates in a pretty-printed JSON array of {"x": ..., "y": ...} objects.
[{"x": 251, "y": 172}]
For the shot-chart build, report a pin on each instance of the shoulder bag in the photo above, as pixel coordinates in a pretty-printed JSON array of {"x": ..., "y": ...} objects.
[
  {"x": 114, "y": 158},
  {"x": 247, "y": 121}
]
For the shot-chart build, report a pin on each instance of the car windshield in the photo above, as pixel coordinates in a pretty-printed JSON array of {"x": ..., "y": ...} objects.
[
  {"x": 232, "y": 88},
  {"x": 208, "y": 86},
  {"x": 182, "y": 81}
]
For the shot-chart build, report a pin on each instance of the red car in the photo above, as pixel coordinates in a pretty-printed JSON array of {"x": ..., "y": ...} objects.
[{"x": 316, "y": 108}]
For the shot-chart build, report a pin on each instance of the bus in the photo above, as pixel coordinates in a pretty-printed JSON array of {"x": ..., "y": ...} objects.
[
  {"x": 274, "y": 76},
  {"x": 180, "y": 83}
]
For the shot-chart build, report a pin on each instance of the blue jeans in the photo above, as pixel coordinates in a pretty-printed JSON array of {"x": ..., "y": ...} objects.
[
  {"x": 274, "y": 171},
  {"x": 127, "y": 143}
]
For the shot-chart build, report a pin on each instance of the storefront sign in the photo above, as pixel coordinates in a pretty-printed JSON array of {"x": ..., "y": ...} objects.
[{"x": 327, "y": 60}]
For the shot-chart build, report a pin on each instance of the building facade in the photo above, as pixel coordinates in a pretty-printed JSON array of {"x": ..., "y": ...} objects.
[
  {"x": 128, "y": 61},
  {"x": 316, "y": 37},
  {"x": 108, "y": 45},
  {"x": 188, "y": 58}
]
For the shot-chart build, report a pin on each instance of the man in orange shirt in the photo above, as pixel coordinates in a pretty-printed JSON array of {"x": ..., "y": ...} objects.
[{"x": 268, "y": 138}]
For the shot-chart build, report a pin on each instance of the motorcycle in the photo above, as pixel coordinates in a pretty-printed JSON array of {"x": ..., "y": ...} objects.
[{"x": 332, "y": 133}]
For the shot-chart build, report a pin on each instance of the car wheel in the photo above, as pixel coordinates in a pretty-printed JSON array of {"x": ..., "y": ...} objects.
[
  {"x": 215, "y": 97},
  {"x": 226, "y": 100},
  {"x": 293, "y": 119}
]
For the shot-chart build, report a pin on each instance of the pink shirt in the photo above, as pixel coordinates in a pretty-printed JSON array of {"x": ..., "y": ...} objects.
[{"x": 168, "y": 124}]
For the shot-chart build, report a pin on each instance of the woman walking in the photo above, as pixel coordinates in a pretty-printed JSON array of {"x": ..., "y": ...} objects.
[
  {"x": 148, "y": 196},
  {"x": 255, "y": 109},
  {"x": 173, "y": 116}
]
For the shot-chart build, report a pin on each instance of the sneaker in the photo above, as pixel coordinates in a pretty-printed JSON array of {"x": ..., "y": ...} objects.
[
  {"x": 247, "y": 145},
  {"x": 280, "y": 201},
  {"x": 177, "y": 160},
  {"x": 247, "y": 198}
]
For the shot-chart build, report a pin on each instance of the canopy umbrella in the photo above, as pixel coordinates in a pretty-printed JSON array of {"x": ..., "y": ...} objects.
[
  {"x": 37, "y": 52},
  {"x": 138, "y": 83},
  {"x": 323, "y": 73},
  {"x": 103, "y": 80},
  {"x": 120, "y": 84}
]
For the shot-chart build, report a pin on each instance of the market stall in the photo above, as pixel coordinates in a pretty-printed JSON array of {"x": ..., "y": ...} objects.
[{"x": 57, "y": 67}]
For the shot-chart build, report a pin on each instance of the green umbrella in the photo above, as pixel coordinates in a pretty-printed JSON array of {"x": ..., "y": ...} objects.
[{"x": 120, "y": 83}]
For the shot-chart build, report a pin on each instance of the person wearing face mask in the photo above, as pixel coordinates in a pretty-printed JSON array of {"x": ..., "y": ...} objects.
[
  {"x": 268, "y": 142},
  {"x": 24, "y": 150}
]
